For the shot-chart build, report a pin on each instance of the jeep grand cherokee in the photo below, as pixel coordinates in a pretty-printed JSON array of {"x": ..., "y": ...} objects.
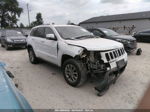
[{"x": 78, "y": 52}]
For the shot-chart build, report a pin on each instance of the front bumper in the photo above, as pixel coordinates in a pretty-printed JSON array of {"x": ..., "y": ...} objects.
[
  {"x": 130, "y": 47},
  {"x": 16, "y": 44},
  {"x": 110, "y": 77}
]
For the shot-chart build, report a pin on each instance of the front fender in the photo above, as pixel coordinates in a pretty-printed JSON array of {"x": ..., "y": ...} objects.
[{"x": 68, "y": 49}]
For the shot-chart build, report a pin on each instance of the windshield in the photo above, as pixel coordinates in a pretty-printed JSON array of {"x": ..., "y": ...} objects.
[
  {"x": 109, "y": 32},
  {"x": 73, "y": 32},
  {"x": 13, "y": 33}
]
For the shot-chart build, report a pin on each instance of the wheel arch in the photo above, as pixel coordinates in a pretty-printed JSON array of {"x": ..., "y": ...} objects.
[
  {"x": 29, "y": 47},
  {"x": 64, "y": 58}
]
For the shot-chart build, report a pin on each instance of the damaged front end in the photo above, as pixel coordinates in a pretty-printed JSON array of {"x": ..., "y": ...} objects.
[{"x": 107, "y": 65}]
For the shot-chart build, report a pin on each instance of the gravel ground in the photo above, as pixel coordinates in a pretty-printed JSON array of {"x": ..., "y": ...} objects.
[{"x": 44, "y": 86}]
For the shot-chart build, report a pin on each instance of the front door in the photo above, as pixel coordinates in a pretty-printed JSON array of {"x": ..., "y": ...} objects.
[{"x": 50, "y": 47}]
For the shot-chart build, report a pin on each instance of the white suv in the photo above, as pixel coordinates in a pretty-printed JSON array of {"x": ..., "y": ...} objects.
[{"x": 78, "y": 52}]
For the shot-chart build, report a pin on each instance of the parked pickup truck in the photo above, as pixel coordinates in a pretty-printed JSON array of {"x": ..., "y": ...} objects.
[{"x": 78, "y": 52}]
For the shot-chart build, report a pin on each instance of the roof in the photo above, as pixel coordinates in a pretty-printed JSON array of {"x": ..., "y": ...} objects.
[
  {"x": 119, "y": 17},
  {"x": 65, "y": 25},
  {"x": 52, "y": 25}
]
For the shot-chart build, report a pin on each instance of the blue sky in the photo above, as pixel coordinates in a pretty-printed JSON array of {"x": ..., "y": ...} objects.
[{"x": 60, "y": 11}]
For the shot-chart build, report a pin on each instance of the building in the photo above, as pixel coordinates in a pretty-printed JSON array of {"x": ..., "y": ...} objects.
[{"x": 121, "y": 23}]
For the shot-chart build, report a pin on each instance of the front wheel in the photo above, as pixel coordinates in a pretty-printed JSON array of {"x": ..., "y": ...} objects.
[
  {"x": 75, "y": 72},
  {"x": 32, "y": 57},
  {"x": 2, "y": 45},
  {"x": 6, "y": 47}
]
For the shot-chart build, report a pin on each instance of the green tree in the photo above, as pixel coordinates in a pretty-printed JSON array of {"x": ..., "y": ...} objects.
[
  {"x": 22, "y": 25},
  {"x": 39, "y": 20},
  {"x": 9, "y": 13},
  {"x": 70, "y": 23}
]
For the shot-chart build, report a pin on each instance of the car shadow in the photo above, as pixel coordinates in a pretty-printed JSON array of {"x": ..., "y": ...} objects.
[
  {"x": 58, "y": 72},
  {"x": 15, "y": 49}
]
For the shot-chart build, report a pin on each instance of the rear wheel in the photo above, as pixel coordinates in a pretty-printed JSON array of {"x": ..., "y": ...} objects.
[
  {"x": 32, "y": 57},
  {"x": 75, "y": 72}
]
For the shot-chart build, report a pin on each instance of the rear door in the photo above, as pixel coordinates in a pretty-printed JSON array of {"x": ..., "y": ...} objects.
[{"x": 37, "y": 38}]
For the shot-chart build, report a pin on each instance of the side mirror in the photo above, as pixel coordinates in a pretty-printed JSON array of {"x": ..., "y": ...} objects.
[{"x": 50, "y": 37}]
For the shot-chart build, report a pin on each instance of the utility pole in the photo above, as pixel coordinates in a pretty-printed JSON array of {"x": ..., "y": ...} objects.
[{"x": 28, "y": 14}]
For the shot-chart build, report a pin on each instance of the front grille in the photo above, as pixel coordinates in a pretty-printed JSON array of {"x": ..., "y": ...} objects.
[
  {"x": 111, "y": 55},
  {"x": 19, "y": 41}
]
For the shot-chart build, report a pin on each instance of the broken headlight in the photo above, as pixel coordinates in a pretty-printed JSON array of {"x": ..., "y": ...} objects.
[
  {"x": 84, "y": 53},
  {"x": 95, "y": 61}
]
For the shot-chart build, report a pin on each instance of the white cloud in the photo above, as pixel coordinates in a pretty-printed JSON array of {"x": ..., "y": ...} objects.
[
  {"x": 112, "y": 1},
  {"x": 60, "y": 11}
]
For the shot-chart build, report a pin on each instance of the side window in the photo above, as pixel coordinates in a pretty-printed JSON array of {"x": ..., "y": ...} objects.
[
  {"x": 48, "y": 31},
  {"x": 97, "y": 33},
  {"x": 38, "y": 32},
  {"x": 33, "y": 32}
]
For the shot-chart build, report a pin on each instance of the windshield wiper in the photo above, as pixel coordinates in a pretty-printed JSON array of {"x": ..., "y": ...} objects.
[
  {"x": 69, "y": 38},
  {"x": 84, "y": 36}
]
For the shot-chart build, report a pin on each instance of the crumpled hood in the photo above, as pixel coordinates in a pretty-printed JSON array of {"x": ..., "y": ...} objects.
[
  {"x": 96, "y": 44},
  {"x": 17, "y": 37},
  {"x": 125, "y": 37}
]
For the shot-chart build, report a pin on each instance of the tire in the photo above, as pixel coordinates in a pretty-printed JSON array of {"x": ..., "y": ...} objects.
[
  {"x": 80, "y": 72},
  {"x": 6, "y": 47},
  {"x": 32, "y": 57},
  {"x": 2, "y": 45}
]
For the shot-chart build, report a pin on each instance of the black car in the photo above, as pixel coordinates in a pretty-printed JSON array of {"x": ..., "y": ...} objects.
[
  {"x": 12, "y": 38},
  {"x": 129, "y": 42},
  {"x": 142, "y": 36}
]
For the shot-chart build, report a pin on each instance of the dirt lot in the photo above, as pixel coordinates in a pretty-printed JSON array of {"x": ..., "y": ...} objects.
[{"x": 44, "y": 86}]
